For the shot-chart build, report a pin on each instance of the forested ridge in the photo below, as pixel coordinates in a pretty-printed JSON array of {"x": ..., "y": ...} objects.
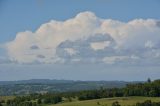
[
  {"x": 48, "y": 86},
  {"x": 148, "y": 89}
]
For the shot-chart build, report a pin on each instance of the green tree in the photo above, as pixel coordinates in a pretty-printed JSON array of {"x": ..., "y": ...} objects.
[
  {"x": 39, "y": 101},
  {"x": 116, "y": 103},
  {"x": 1, "y": 104},
  {"x": 149, "y": 80},
  {"x": 148, "y": 103},
  {"x": 152, "y": 93},
  {"x": 57, "y": 99}
]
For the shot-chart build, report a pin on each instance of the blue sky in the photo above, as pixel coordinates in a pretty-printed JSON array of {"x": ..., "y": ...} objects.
[{"x": 21, "y": 15}]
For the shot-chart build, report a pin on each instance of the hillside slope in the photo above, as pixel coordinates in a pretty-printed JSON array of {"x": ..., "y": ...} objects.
[{"x": 124, "y": 101}]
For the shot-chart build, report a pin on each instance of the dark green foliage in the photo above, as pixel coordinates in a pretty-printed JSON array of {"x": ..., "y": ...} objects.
[
  {"x": 149, "y": 80},
  {"x": 69, "y": 99},
  {"x": 151, "y": 89},
  {"x": 39, "y": 101},
  {"x": 2, "y": 101},
  {"x": 18, "y": 102},
  {"x": 143, "y": 89},
  {"x": 101, "y": 93},
  {"x": 57, "y": 99},
  {"x": 98, "y": 103},
  {"x": 116, "y": 103},
  {"x": 29, "y": 100},
  {"x": 51, "y": 98}
]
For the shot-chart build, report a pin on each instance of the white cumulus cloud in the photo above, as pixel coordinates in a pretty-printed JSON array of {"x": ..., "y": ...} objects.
[
  {"x": 113, "y": 59},
  {"x": 100, "y": 45},
  {"x": 71, "y": 51},
  {"x": 133, "y": 38}
]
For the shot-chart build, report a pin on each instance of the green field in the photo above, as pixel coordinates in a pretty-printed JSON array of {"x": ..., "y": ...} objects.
[
  {"x": 6, "y": 98},
  {"x": 124, "y": 101}
]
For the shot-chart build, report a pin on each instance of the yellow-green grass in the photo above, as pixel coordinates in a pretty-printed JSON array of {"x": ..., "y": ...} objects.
[
  {"x": 7, "y": 97},
  {"x": 124, "y": 101}
]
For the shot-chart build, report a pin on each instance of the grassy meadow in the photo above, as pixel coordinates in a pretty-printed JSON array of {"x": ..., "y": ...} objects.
[
  {"x": 7, "y": 97},
  {"x": 123, "y": 101}
]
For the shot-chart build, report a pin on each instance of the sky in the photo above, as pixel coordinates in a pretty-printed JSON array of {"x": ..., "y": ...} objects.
[{"x": 79, "y": 39}]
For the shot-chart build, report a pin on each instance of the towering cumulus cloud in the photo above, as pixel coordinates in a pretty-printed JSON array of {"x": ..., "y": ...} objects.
[{"x": 88, "y": 38}]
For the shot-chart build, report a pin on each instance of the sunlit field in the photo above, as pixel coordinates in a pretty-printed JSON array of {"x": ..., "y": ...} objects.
[{"x": 123, "y": 101}]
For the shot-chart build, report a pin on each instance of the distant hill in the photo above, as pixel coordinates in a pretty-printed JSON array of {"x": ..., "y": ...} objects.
[
  {"x": 46, "y": 85},
  {"x": 35, "y": 81}
]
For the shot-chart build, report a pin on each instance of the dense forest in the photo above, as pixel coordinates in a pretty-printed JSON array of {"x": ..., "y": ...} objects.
[
  {"x": 151, "y": 89},
  {"x": 148, "y": 89}
]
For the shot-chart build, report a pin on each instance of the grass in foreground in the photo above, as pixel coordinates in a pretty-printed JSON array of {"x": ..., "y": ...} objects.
[{"x": 124, "y": 101}]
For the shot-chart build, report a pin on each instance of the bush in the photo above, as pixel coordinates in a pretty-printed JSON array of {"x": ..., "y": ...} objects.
[
  {"x": 39, "y": 101},
  {"x": 116, "y": 103}
]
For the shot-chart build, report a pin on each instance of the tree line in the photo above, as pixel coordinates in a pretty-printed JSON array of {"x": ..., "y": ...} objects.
[
  {"x": 33, "y": 100},
  {"x": 149, "y": 89}
]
